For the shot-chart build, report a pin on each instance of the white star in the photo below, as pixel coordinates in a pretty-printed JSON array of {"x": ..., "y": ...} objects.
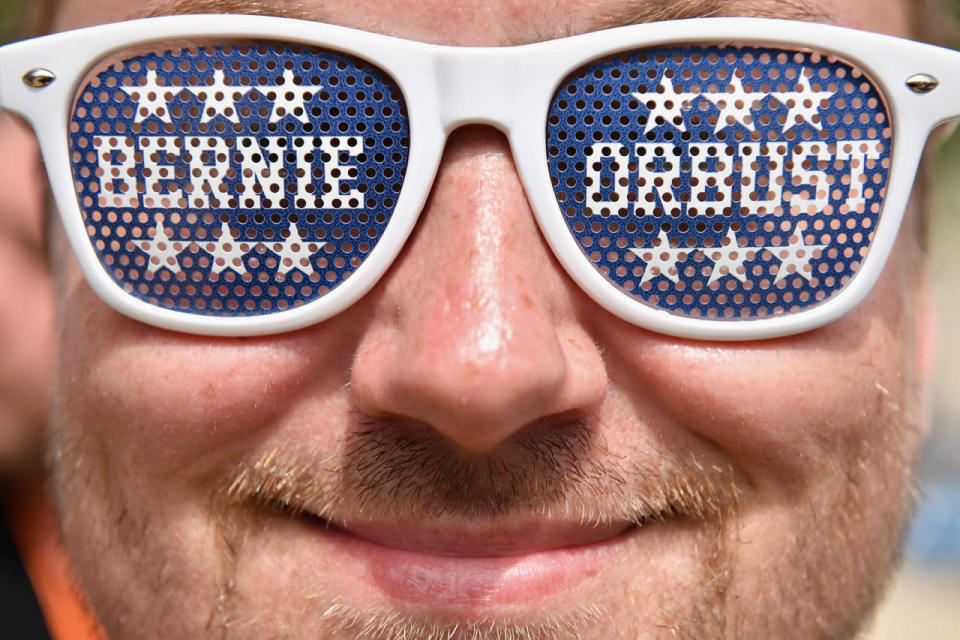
[
  {"x": 734, "y": 105},
  {"x": 804, "y": 103},
  {"x": 163, "y": 252},
  {"x": 218, "y": 98},
  {"x": 730, "y": 257},
  {"x": 797, "y": 254},
  {"x": 663, "y": 259},
  {"x": 295, "y": 253},
  {"x": 227, "y": 253},
  {"x": 290, "y": 99},
  {"x": 668, "y": 105},
  {"x": 150, "y": 100}
]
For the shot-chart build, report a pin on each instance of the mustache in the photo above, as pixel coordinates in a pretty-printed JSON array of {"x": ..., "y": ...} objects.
[{"x": 401, "y": 471}]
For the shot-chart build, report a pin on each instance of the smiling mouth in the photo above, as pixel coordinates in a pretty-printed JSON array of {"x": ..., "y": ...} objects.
[
  {"x": 405, "y": 523},
  {"x": 487, "y": 539},
  {"x": 458, "y": 567}
]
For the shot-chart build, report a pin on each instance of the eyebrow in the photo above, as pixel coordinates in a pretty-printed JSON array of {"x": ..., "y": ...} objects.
[
  {"x": 645, "y": 11},
  {"x": 626, "y": 13},
  {"x": 280, "y": 8}
]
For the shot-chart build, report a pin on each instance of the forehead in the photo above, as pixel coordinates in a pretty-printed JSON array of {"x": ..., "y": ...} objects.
[{"x": 498, "y": 22}]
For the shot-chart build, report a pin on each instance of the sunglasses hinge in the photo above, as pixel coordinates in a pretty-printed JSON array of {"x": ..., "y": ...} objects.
[
  {"x": 922, "y": 83},
  {"x": 38, "y": 78}
]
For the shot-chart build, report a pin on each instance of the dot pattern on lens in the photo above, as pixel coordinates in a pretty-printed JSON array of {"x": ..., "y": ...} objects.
[
  {"x": 723, "y": 182},
  {"x": 237, "y": 180}
]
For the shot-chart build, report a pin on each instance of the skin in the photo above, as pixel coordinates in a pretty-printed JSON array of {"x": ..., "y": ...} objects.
[
  {"x": 26, "y": 328},
  {"x": 800, "y": 449}
]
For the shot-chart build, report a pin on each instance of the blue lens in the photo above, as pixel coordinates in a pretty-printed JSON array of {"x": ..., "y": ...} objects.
[
  {"x": 721, "y": 182},
  {"x": 237, "y": 180}
]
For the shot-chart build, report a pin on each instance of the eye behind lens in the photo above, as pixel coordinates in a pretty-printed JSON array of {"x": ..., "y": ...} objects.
[
  {"x": 236, "y": 179},
  {"x": 721, "y": 182}
]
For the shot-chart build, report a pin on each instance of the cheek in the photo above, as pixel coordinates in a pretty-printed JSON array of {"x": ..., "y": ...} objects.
[
  {"x": 162, "y": 401},
  {"x": 776, "y": 409},
  {"x": 780, "y": 410}
]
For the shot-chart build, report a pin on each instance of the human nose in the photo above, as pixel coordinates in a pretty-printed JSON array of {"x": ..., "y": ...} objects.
[{"x": 476, "y": 332}]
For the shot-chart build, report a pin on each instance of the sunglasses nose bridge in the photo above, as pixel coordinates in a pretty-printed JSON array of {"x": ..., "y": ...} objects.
[{"x": 477, "y": 86}]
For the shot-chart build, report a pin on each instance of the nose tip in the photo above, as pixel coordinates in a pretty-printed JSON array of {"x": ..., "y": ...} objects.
[
  {"x": 477, "y": 368},
  {"x": 478, "y": 341}
]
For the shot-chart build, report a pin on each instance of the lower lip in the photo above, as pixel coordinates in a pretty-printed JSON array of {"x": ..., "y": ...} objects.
[{"x": 451, "y": 582}]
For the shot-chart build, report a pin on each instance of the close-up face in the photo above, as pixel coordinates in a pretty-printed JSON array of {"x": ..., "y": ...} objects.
[{"x": 476, "y": 448}]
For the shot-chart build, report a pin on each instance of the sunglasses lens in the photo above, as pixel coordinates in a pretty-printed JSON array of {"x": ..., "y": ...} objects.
[
  {"x": 721, "y": 182},
  {"x": 236, "y": 180}
]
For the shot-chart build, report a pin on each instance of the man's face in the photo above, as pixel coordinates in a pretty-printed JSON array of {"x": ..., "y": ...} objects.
[{"x": 466, "y": 452}]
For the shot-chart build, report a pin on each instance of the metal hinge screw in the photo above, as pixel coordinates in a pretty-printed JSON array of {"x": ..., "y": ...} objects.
[
  {"x": 922, "y": 83},
  {"x": 38, "y": 78}
]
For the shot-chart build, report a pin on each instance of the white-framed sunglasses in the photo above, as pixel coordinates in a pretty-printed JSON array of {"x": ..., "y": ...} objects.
[{"x": 716, "y": 178}]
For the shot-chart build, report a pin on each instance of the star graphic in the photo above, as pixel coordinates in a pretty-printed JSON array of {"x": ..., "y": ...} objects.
[
  {"x": 663, "y": 259},
  {"x": 797, "y": 254},
  {"x": 804, "y": 104},
  {"x": 667, "y": 104},
  {"x": 227, "y": 253},
  {"x": 727, "y": 260},
  {"x": 150, "y": 100},
  {"x": 163, "y": 251},
  {"x": 218, "y": 98},
  {"x": 734, "y": 105},
  {"x": 295, "y": 253},
  {"x": 291, "y": 98}
]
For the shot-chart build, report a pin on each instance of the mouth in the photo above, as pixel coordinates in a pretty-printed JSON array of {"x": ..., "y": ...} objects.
[
  {"x": 461, "y": 566},
  {"x": 435, "y": 538}
]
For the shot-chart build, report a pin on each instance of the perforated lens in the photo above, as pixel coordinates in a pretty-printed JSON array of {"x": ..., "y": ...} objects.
[
  {"x": 236, "y": 180},
  {"x": 719, "y": 181}
]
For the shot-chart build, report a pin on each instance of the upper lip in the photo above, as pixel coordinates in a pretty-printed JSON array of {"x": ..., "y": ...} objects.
[{"x": 495, "y": 537}]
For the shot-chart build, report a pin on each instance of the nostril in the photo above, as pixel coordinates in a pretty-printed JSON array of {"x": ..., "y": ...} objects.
[{"x": 476, "y": 351}]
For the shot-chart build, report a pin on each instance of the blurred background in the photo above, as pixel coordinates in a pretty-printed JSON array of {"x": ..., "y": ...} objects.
[{"x": 924, "y": 600}]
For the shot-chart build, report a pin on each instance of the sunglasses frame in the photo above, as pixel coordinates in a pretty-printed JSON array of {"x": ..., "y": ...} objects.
[{"x": 509, "y": 88}]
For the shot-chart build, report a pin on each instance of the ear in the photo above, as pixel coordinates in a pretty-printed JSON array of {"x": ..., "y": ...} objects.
[
  {"x": 26, "y": 300},
  {"x": 21, "y": 183}
]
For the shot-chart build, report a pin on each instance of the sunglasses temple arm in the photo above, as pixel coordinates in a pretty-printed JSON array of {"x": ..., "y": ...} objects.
[{"x": 8, "y": 81}]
